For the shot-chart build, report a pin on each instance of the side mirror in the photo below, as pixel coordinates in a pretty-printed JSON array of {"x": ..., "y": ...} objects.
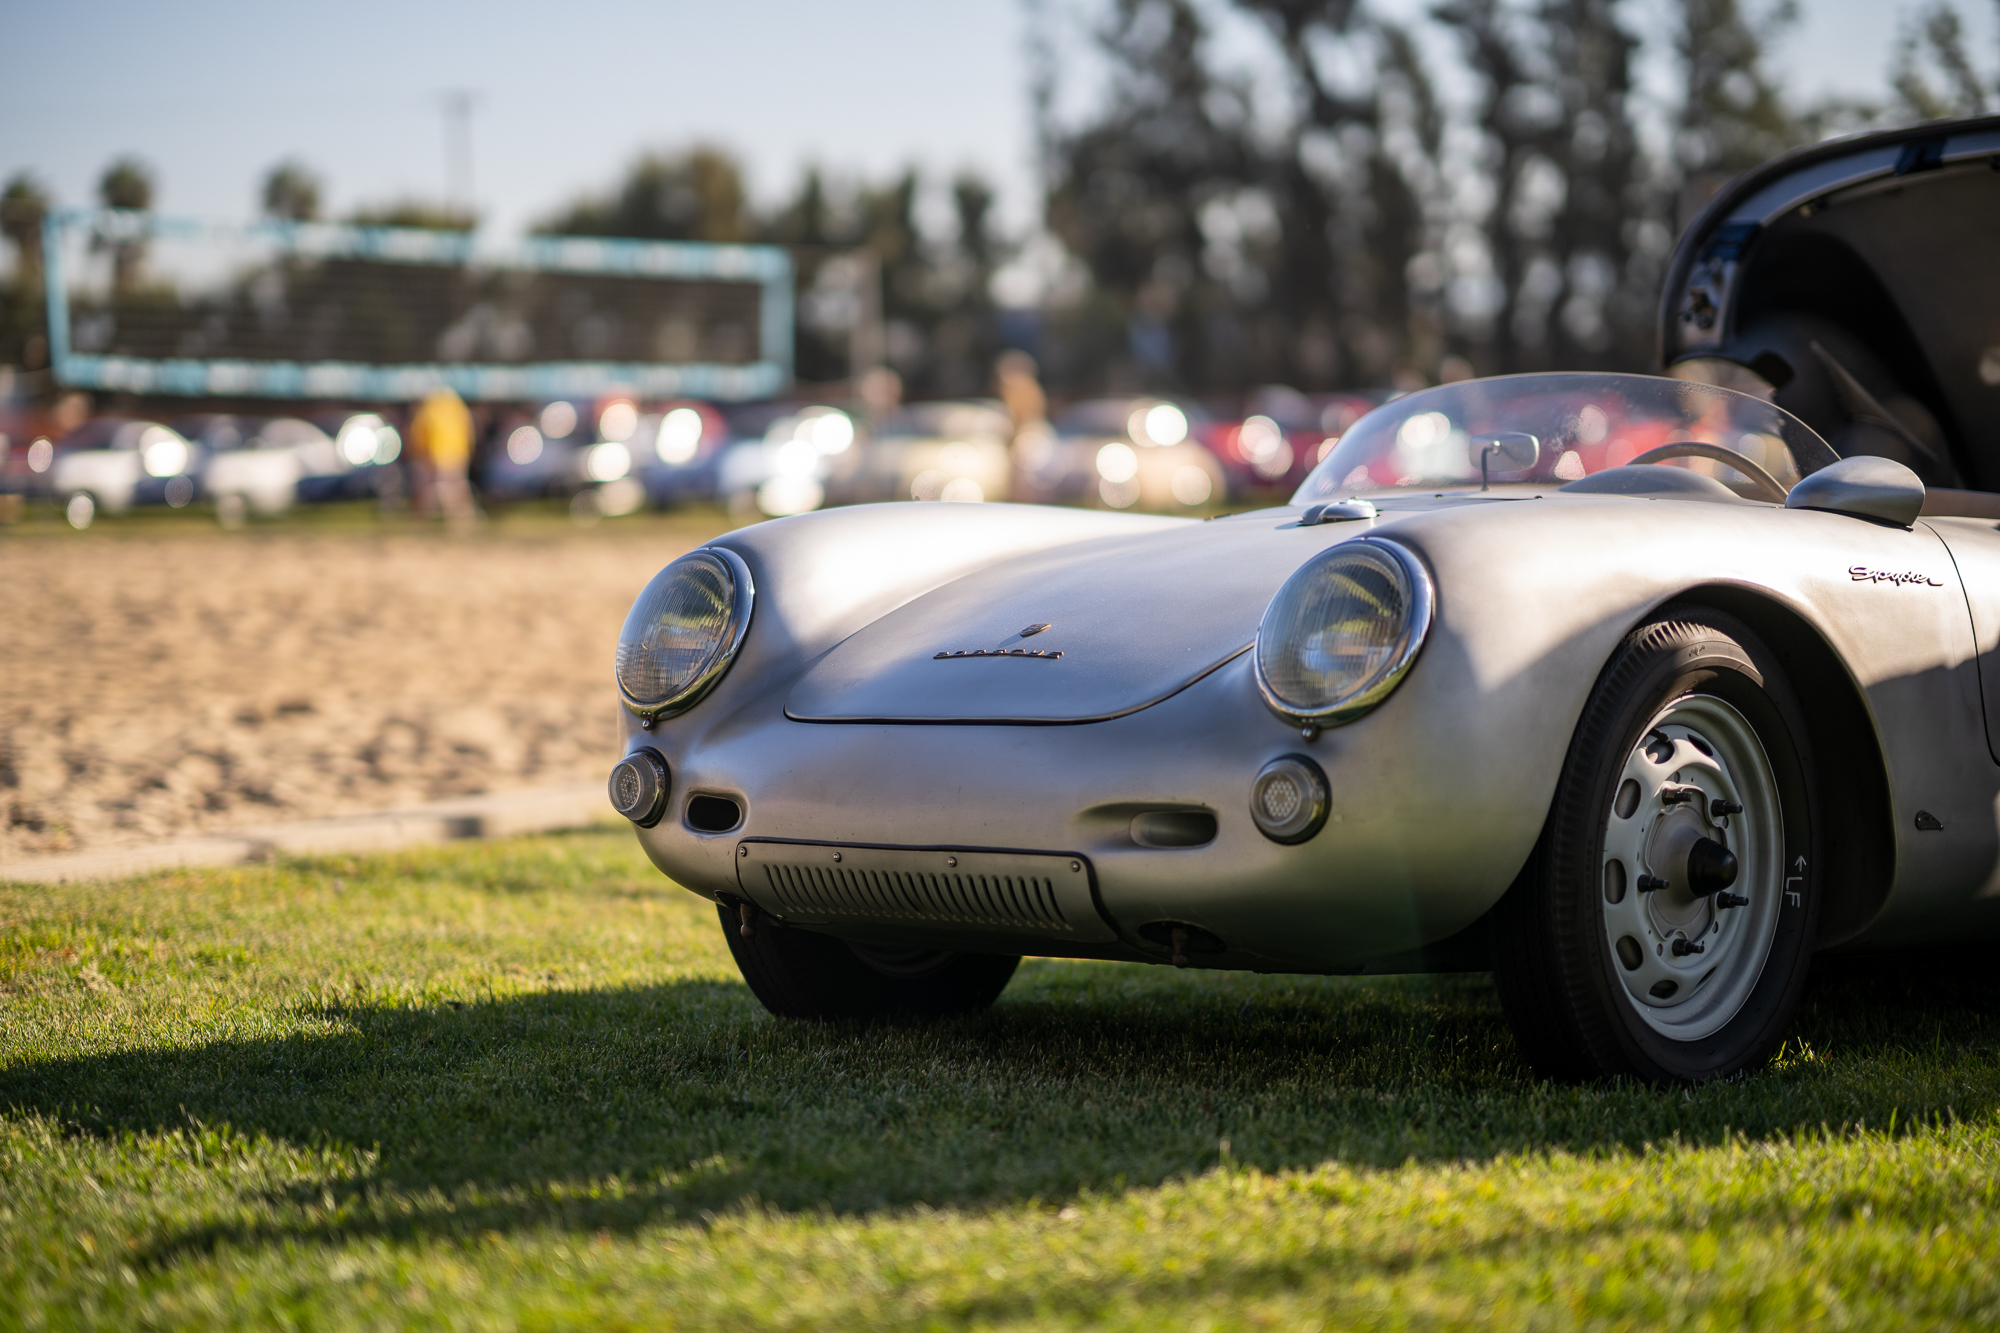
[
  {"x": 1863, "y": 486},
  {"x": 1510, "y": 450}
]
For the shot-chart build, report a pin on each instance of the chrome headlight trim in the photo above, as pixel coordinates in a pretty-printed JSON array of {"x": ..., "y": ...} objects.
[
  {"x": 650, "y": 711},
  {"x": 1420, "y": 603}
]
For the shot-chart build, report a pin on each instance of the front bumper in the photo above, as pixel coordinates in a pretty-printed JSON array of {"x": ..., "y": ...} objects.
[{"x": 1417, "y": 844}]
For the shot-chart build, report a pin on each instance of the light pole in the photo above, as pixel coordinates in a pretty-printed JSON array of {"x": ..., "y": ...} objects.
[{"x": 457, "y": 104}]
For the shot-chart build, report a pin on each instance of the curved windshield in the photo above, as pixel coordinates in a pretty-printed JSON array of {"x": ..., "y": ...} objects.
[{"x": 1546, "y": 430}]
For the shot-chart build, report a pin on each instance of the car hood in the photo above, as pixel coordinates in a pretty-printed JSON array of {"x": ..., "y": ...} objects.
[
  {"x": 1858, "y": 278},
  {"x": 1131, "y": 620}
]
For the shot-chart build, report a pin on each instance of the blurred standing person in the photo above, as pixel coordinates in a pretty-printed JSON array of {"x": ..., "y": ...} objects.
[
  {"x": 440, "y": 446},
  {"x": 1017, "y": 379},
  {"x": 881, "y": 393}
]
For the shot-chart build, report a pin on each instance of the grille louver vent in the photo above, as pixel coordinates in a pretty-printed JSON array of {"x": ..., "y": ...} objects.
[
  {"x": 986, "y": 900},
  {"x": 970, "y": 893}
]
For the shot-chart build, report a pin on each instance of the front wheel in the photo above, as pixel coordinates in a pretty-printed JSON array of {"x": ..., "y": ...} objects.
[
  {"x": 802, "y": 974},
  {"x": 1663, "y": 927}
]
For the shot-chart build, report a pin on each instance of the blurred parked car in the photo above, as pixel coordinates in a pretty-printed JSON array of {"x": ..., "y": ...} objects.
[
  {"x": 677, "y": 452},
  {"x": 108, "y": 465},
  {"x": 539, "y": 457},
  {"x": 366, "y": 447},
  {"x": 1282, "y": 435},
  {"x": 1122, "y": 452},
  {"x": 930, "y": 451},
  {"x": 580, "y": 449},
  {"x": 255, "y": 465},
  {"x": 786, "y": 469}
]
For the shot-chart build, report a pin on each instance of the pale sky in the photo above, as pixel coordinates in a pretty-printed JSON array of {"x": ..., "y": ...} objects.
[{"x": 212, "y": 92}]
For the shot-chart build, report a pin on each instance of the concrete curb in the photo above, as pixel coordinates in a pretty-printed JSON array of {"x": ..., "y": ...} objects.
[{"x": 500, "y": 814}]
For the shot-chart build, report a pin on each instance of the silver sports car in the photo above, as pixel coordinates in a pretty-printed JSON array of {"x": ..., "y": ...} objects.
[{"x": 1636, "y": 691}]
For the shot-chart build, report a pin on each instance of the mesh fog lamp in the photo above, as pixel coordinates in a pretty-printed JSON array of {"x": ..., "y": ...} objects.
[
  {"x": 1343, "y": 631},
  {"x": 683, "y": 633}
]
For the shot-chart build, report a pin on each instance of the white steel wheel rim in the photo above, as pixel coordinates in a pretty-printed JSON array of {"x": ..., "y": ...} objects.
[{"x": 1696, "y": 741}]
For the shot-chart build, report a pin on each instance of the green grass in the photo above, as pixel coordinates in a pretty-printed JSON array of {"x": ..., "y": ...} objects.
[{"x": 519, "y": 1084}]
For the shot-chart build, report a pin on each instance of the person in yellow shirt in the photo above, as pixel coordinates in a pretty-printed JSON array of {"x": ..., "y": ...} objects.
[{"x": 440, "y": 446}]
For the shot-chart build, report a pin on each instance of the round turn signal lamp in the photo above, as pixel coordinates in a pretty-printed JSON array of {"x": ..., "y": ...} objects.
[
  {"x": 1289, "y": 799},
  {"x": 639, "y": 787}
]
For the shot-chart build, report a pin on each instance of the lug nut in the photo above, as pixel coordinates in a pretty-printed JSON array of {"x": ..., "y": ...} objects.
[
  {"x": 1682, "y": 948},
  {"x": 1718, "y": 807},
  {"x": 1726, "y": 900},
  {"x": 1651, "y": 884}
]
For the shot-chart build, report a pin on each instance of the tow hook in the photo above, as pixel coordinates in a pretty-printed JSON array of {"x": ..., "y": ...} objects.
[{"x": 747, "y": 915}]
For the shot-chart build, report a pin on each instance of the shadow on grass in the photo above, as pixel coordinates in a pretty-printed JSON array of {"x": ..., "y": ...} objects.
[{"x": 616, "y": 1108}]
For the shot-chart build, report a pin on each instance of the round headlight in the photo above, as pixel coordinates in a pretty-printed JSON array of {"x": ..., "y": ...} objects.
[
  {"x": 1343, "y": 631},
  {"x": 683, "y": 632}
]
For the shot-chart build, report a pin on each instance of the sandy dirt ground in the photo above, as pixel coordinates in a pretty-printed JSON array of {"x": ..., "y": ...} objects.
[{"x": 169, "y": 681}]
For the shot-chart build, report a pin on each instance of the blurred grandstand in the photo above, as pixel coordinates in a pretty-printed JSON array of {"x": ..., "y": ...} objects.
[{"x": 144, "y": 304}]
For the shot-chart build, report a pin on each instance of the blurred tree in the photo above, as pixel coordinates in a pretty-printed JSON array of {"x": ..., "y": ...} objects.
[
  {"x": 418, "y": 213},
  {"x": 1604, "y": 258},
  {"x": 23, "y": 204},
  {"x": 1351, "y": 273},
  {"x": 23, "y": 319},
  {"x": 692, "y": 196},
  {"x": 873, "y": 288},
  {"x": 1127, "y": 194},
  {"x": 291, "y": 192},
  {"x": 128, "y": 184},
  {"x": 1519, "y": 123},
  {"x": 817, "y": 227},
  {"x": 1932, "y": 72},
  {"x": 890, "y": 239},
  {"x": 963, "y": 333},
  {"x": 1340, "y": 236},
  {"x": 972, "y": 202},
  {"x": 1732, "y": 115},
  {"x": 808, "y": 219}
]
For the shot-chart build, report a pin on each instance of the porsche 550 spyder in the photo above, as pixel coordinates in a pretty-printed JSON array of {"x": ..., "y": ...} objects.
[{"x": 1635, "y": 690}]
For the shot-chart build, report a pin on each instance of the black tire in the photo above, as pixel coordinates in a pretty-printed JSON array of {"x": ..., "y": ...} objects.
[
  {"x": 1561, "y": 985},
  {"x": 798, "y": 973}
]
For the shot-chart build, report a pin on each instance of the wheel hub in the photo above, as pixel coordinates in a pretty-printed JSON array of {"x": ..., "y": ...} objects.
[{"x": 1674, "y": 836}]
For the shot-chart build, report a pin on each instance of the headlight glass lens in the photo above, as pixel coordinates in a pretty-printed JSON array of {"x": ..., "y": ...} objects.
[
  {"x": 1341, "y": 632},
  {"x": 679, "y": 630}
]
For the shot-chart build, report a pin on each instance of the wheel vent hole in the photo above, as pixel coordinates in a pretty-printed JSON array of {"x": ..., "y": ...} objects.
[
  {"x": 713, "y": 814},
  {"x": 1629, "y": 953},
  {"x": 1663, "y": 989},
  {"x": 1628, "y": 799},
  {"x": 1614, "y": 881}
]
